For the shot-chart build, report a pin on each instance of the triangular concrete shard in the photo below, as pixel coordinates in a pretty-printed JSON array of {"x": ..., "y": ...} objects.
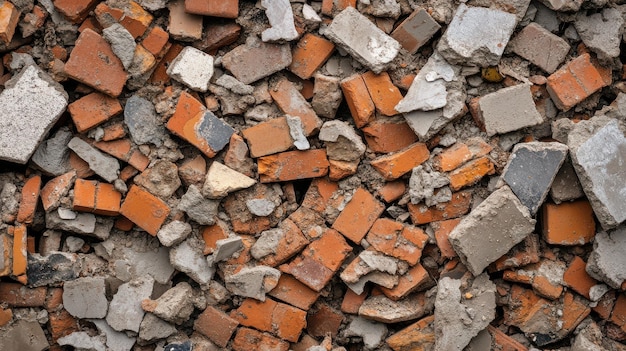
[
  {"x": 531, "y": 171},
  {"x": 598, "y": 151},
  {"x": 491, "y": 230},
  {"x": 222, "y": 180}
]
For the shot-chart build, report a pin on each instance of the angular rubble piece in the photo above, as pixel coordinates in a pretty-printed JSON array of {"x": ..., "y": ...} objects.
[
  {"x": 566, "y": 186},
  {"x": 293, "y": 292},
  {"x": 381, "y": 309},
  {"x": 93, "y": 109},
  {"x": 156, "y": 41},
  {"x": 29, "y": 200},
  {"x": 173, "y": 233},
  {"x": 249, "y": 339},
  {"x": 193, "y": 68},
  {"x": 292, "y": 165},
  {"x": 569, "y": 223},
  {"x": 577, "y": 278},
  {"x": 591, "y": 337},
  {"x": 278, "y": 318},
  {"x": 188, "y": 258},
  {"x": 415, "y": 279},
  {"x": 348, "y": 29},
  {"x": 124, "y": 150},
  {"x": 372, "y": 333},
  {"x": 85, "y": 297},
  {"x": 83, "y": 341},
  {"x": 183, "y": 25},
  {"x": 199, "y": 209},
  {"x": 152, "y": 329},
  {"x": 115, "y": 341},
  {"x": 142, "y": 121},
  {"x": 144, "y": 209},
  {"x": 125, "y": 312},
  {"x": 161, "y": 179},
  {"x": 19, "y": 257},
  {"x": 388, "y": 136},
  {"x": 606, "y": 263},
  {"x": 276, "y": 246},
  {"x": 92, "y": 62},
  {"x": 531, "y": 170},
  {"x": 546, "y": 277},
  {"x": 309, "y": 55},
  {"x": 255, "y": 60},
  {"x": 280, "y": 16},
  {"x": 24, "y": 335},
  {"x": 396, "y": 240},
  {"x": 383, "y": 92},
  {"x": 471, "y": 173},
  {"x": 99, "y": 198},
  {"x": 221, "y": 180},
  {"x": 597, "y": 151},
  {"x": 105, "y": 166},
  {"x": 9, "y": 16},
  {"x": 83, "y": 223},
  {"x": 288, "y": 98},
  {"x": 417, "y": 336},
  {"x": 215, "y": 8},
  {"x": 122, "y": 43},
  {"x": 416, "y": 30},
  {"x": 225, "y": 249},
  {"x": 459, "y": 318},
  {"x": 491, "y": 230},
  {"x": 600, "y": 32},
  {"x": 51, "y": 269},
  {"x": 395, "y": 165},
  {"x": 208, "y": 320},
  {"x": 296, "y": 131},
  {"x": 576, "y": 81},
  {"x": 458, "y": 205},
  {"x": 372, "y": 266},
  {"x": 261, "y": 145},
  {"x": 557, "y": 5},
  {"x": 342, "y": 142},
  {"x": 174, "y": 306},
  {"x": 359, "y": 100},
  {"x": 317, "y": 265},
  {"x": 543, "y": 321},
  {"x": 519, "y": 111},
  {"x": 253, "y": 282},
  {"x": 52, "y": 156},
  {"x": 358, "y": 216},
  {"x": 30, "y": 105},
  {"x": 327, "y": 95},
  {"x": 539, "y": 46},
  {"x": 476, "y": 36}
]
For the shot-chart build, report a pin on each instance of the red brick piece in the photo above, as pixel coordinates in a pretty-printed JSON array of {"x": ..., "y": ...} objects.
[
  {"x": 19, "y": 250},
  {"x": 17, "y": 295},
  {"x": 385, "y": 137},
  {"x": 215, "y": 8},
  {"x": 384, "y": 94},
  {"x": 324, "y": 321},
  {"x": 351, "y": 301},
  {"x": 92, "y": 110},
  {"x": 75, "y": 10},
  {"x": 309, "y": 55},
  {"x": 123, "y": 150},
  {"x": 280, "y": 319},
  {"x": 568, "y": 223},
  {"x": 96, "y": 197},
  {"x": 291, "y": 102},
  {"x": 358, "y": 216},
  {"x": 261, "y": 145},
  {"x": 30, "y": 197},
  {"x": 415, "y": 279},
  {"x": 452, "y": 157},
  {"x": 9, "y": 16},
  {"x": 395, "y": 165},
  {"x": 358, "y": 98},
  {"x": 250, "y": 339},
  {"x": 293, "y": 165},
  {"x": 144, "y": 209},
  {"x": 156, "y": 41},
  {"x": 215, "y": 325},
  {"x": 576, "y": 277},
  {"x": 92, "y": 62},
  {"x": 458, "y": 206},
  {"x": 56, "y": 188},
  {"x": 392, "y": 191},
  {"x": 394, "y": 239},
  {"x": 471, "y": 173},
  {"x": 293, "y": 292},
  {"x": 442, "y": 231}
]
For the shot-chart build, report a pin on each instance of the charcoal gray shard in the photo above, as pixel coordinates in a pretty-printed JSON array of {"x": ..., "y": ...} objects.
[{"x": 215, "y": 131}]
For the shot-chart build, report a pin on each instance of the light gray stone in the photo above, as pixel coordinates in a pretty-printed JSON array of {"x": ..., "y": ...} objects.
[
  {"x": 566, "y": 186},
  {"x": 385, "y": 280},
  {"x": 173, "y": 233},
  {"x": 309, "y": 14},
  {"x": 66, "y": 213},
  {"x": 193, "y": 68},
  {"x": 341, "y": 140},
  {"x": 327, "y": 95},
  {"x": 122, "y": 43},
  {"x": 372, "y": 333},
  {"x": 199, "y": 209},
  {"x": 491, "y": 230},
  {"x": 125, "y": 312},
  {"x": 142, "y": 122},
  {"x": 23, "y": 335},
  {"x": 260, "y": 207},
  {"x": 222, "y": 180},
  {"x": 598, "y": 152},
  {"x": 74, "y": 244},
  {"x": 380, "y": 8},
  {"x": 607, "y": 262},
  {"x": 176, "y": 304},
  {"x": 477, "y": 36},
  {"x": 84, "y": 223},
  {"x": 296, "y": 130},
  {"x": 267, "y": 243},
  {"x": 153, "y": 328},
  {"x": 256, "y": 59},
  {"x": 365, "y": 42},
  {"x": 602, "y": 32},
  {"x": 52, "y": 156},
  {"x": 105, "y": 166},
  {"x": 81, "y": 340},
  {"x": 508, "y": 109},
  {"x": 231, "y": 83},
  {"x": 85, "y": 297},
  {"x": 459, "y": 319},
  {"x": 423, "y": 183},
  {"x": 253, "y": 282},
  {"x": 115, "y": 341},
  {"x": 280, "y": 16},
  {"x": 30, "y": 105},
  {"x": 187, "y": 257},
  {"x": 225, "y": 249}
]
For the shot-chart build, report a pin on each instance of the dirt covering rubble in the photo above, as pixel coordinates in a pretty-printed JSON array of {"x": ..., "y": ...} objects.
[{"x": 336, "y": 175}]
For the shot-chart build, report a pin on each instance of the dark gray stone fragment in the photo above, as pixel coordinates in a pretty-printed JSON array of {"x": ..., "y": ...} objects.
[{"x": 215, "y": 131}]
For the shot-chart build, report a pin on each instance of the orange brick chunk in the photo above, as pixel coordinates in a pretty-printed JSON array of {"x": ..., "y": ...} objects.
[
  {"x": 569, "y": 223},
  {"x": 75, "y": 10},
  {"x": 156, "y": 41},
  {"x": 93, "y": 109},
  {"x": 249, "y": 339},
  {"x": 96, "y": 197},
  {"x": 471, "y": 173},
  {"x": 359, "y": 101},
  {"x": 28, "y": 203},
  {"x": 216, "y": 325},
  {"x": 452, "y": 157},
  {"x": 93, "y": 63},
  {"x": 576, "y": 277},
  {"x": 395, "y": 165},
  {"x": 280, "y": 319},
  {"x": 293, "y": 292},
  {"x": 385, "y": 137},
  {"x": 289, "y": 99},
  {"x": 394, "y": 239},
  {"x": 19, "y": 250},
  {"x": 144, "y": 209},
  {"x": 309, "y": 55},
  {"x": 359, "y": 215},
  {"x": 261, "y": 145},
  {"x": 9, "y": 16},
  {"x": 293, "y": 165},
  {"x": 384, "y": 94},
  {"x": 458, "y": 206},
  {"x": 215, "y": 8},
  {"x": 17, "y": 295}
]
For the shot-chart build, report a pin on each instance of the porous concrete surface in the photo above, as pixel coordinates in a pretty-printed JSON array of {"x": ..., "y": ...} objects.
[
  {"x": 193, "y": 68},
  {"x": 606, "y": 262}
]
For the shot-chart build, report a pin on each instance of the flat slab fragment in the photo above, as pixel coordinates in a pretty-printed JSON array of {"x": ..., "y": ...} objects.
[
  {"x": 508, "y": 109},
  {"x": 256, "y": 60},
  {"x": 491, "y": 230},
  {"x": 539, "y": 46},
  {"x": 598, "y": 151},
  {"x": 361, "y": 38},
  {"x": 531, "y": 170},
  {"x": 607, "y": 261},
  {"x": 29, "y": 106}
]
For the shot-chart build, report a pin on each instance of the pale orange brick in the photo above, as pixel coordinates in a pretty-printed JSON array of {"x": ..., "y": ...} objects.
[
  {"x": 75, "y": 10},
  {"x": 568, "y": 223},
  {"x": 384, "y": 94},
  {"x": 359, "y": 100},
  {"x": 6, "y": 314},
  {"x": 442, "y": 231},
  {"x": 123, "y": 149},
  {"x": 309, "y": 55},
  {"x": 293, "y": 292},
  {"x": 29, "y": 199},
  {"x": 394, "y": 239},
  {"x": 56, "y": 188},
  {"x": 280, "y": 319},
  {"x": 9, "y": 17},
  {"x": 144, "y": 209},
  {"x": 358, "y": 216},
  {"x": 392, "y": 191},
  {"x": 415, "y": 279},
  {"x": 319, "y": 194},
  {"x": 397, "y": 164},
  {"x": 5, "y": 254},
  {"x": 215, "y": 325},
  {"x": 417, "y": 336},
  {"x": 341, "y": 169},
  {"x": 577, "y": 278},
  {"x": 212, "y": 234},
  {"x": 385, "y": 137},
  {"x": 156, "y": 41},
  {"x": 249, "y": 339},
  {"x": 113, "y": 132},
  {"x": 80, "y": 166},
  {"x": 215, "y": 8},
  {"x": 290, "y": 244},
  {"x": 84, "y": 195},
  {"x": 293, "y": 165},
  {"x": 452, "y": 157},
  {"x": 471, "y": 173},
  {"x": 545, "y": 288},
  {"x": 456, "y": 207},
  {"x": 291, "y": 102},
  {"x": 351, "y": 301},
  {"x": 19, "y": 250},
  {"x": 258, "y": 141}
]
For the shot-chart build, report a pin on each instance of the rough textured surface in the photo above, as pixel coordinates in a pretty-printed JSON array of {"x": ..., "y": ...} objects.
[
  {"x": 606, "y": 262},
  {"x": 520, "y": 111},
  {"x": 103, "y": 165},
  {"x": 85, "y": 298},
  {"x": 193, "y": 68},
  {"x": 280, "y": 16},
  {"x": 142, "y": 121},
  {"x": 125, "y": 311}
]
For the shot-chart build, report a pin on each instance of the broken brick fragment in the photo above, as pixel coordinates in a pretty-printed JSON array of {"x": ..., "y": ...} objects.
[{"x": 144, "y": 209}]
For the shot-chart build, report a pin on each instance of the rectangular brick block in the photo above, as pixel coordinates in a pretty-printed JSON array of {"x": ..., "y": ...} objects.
[
  {"x": 29, "y": 199},
  {"x": 452, "y": 157},
  {"x": 156, "y": 41},
  {"x": 259, "y": 143},
  {"x": 215, "y": 8},
  {"x": 144, "y": 209},
  {"x": 385, "y": 137},
  {"x": 416, "y": 30},
  {"x": 396, "y": 240},
  {"x": 253, "y": 61},
  {"x": 539, "y": 46},
  {"x": 359, "y": 100},
  {"x": 96, "y": 197},
  {"x": 569, "y": 223},
  {"x": 471, "y": 173},
  {"x": 293, "y": 292},
  {"x": 92, "y": 110},
  {"x": 215, "y": 325},
  {"x": 309, "y": 55},
  {"x": 384, "y": 94},
  {"x": 278, "y": 318},
  {"x": 456, "y": 207},
  {"x": 17, "y": 295},
  {"x": 395, "y": 165},
  {"x": 75, "y": 10},
  {"x": 293, "y": 165},
  {"x": 19, "y": 250},
  {"x": 417, "y": 278},
  {"x": 358, "y": 215},
  {"x": 289, "y": 99}
]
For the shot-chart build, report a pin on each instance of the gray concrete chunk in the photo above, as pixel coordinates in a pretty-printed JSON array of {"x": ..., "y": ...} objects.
[
  {"x": 85, "y": 297},
  {"x": 199, "y": 209},
  {"x": 187, "y": 257},
  {"x": 253, "y": 282},
  {"x": 477, "y": 36},
  {"x": 29, "y": 106},
  {"x": 176, "y": 304},
  {"x": 342, "y": 142},
  {"x": 598, "y": 151},
  {"x": 116, "y": 341},
  {"x": 607, "y": 261},
  {"x": 52, "y": 156},
  {"x": 173, "y": 233},
  {"x": 539, "y": 46},
  {"x": 125, "y": 312},
  {"x": 372, "y": 333},
  {"x": 531, "y": 170},
  {"x": 602, "y": 32},
  {"x": 142, "y": 122},
  {"x": 566, "y": 186},
  {"x": 361, "y": 38},
  {"x": 255, "y": 60},
  {"x": 280, "y": 15},
  {"x": 508, "y": 109},
  {"x": 24, "y": 336},
  {"x": 153, "y": 328},
  {"x": 81, "y": 340},
  {"x": 105, "y": 166},
  {"x": 53, "y": 268},
  {"x": 122, "y": 43},
  {"x": 491, "y": 230},
  {"x": 84, "y": 223}
]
